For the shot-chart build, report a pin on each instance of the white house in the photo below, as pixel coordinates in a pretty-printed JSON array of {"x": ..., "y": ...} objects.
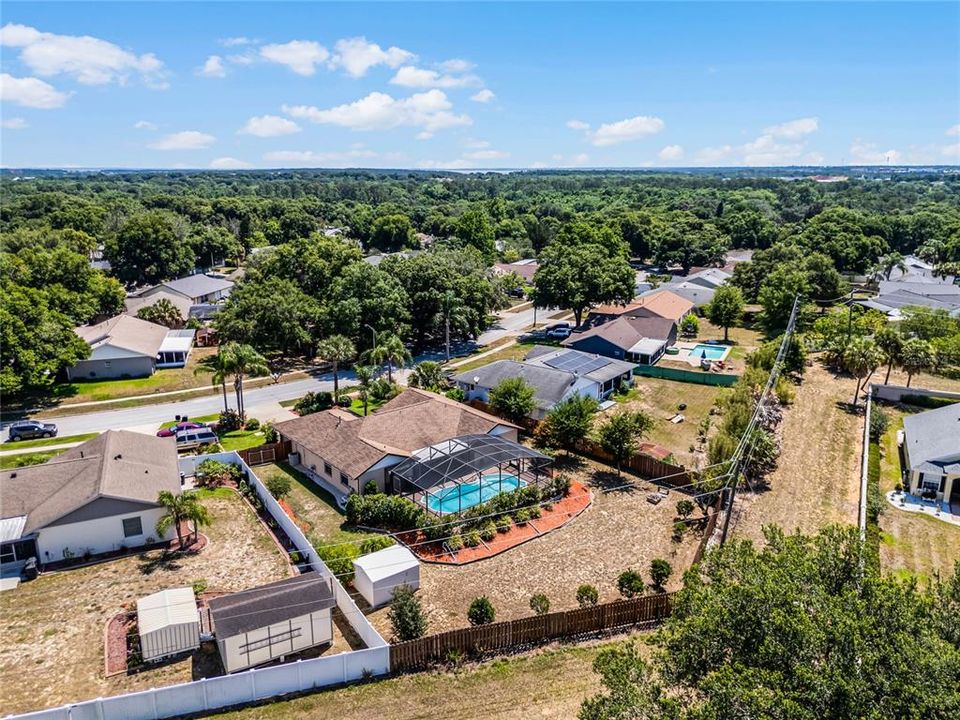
[
  {"x": 198, "y": 289},
  {"x": 168, "y": 623},
  {"x": 377, "y": 574},
  {"x": 126, "y": 346},
  {"x": 267, "y": 623},
  {"x": 931, "y": 453},
  {"x": 98, "y": 497}
]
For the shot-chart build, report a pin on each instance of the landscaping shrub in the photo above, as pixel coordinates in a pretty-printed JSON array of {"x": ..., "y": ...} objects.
[
  {"x": 279, "y": 486},
  {"x": 229, "y": 421},
  {"x": 481, "y": 611},
  {"x": 561, "y": 485},
  {"x": 879, "y": 422},
  {"x": 926, "y": 401},
  {"x": 313, "y": 402},
  {"x": 785, "y": 391},
  {"x": 384, "y": 511},
  {"x": 213, "y": 473},
  {"x": 370, "y": 487},
  {"x": 660, "y": 572},
  {"x": 199, "y": 586},
  {"x": 690, "y": 325},
  {"x": 630, "y": 583},
  {"x": 406, "y": 615},
  {"x": 587, "y": 596},
  {"x": 251, "y": 424},
  {"x": 471, "y": 538},
  {"x": 270, "y": 434},
  {"x": 339, "y": 558},
  {"x": 679, "y": 528},
  {"x": 436, "y": 530},
  {"x": 489, "y": 531},
  {"x": 504, "y": 523},
  {"x": 685, "y": 508},
  {"x": 540, "y": 604},
  {"x": 382, "y": 390},
  {"x": 522, "y": 516},
  {"x": 535, "y": 512},
  {"x": 377, "y": 542},
  {"x": 547, "y": 506},
  {"x": 456, "y": 394},
  {"x": 455, "y": 542}
]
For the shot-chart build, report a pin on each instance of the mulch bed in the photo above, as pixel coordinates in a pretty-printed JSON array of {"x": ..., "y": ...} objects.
[
  {"x": 563, "y": 511},
  {"x": 168, "y": 546}
]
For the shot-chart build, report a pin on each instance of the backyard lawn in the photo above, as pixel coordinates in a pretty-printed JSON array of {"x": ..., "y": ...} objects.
[
  {"x": 54, "y": 626},
  {"x": 910, "y": 543}
]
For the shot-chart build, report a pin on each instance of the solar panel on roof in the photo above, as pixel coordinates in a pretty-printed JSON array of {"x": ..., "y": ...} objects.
[{"x": 572, "y": 361}]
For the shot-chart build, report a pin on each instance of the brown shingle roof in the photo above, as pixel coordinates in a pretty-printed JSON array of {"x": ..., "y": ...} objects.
[
  {"x": 117, "y": 464},
  {"x": 626, "y": 331},
  {"x": 127, "y": 332},
  {"x": 411, "y": 421}
]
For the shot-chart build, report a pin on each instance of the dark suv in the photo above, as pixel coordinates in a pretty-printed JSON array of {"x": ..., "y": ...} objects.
[{"x": 30, "y": 429}]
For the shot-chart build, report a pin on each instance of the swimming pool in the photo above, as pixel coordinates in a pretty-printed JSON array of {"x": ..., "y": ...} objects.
[
  {"x": 710, "y": 352},
  {"x": 462, "y": 497}
]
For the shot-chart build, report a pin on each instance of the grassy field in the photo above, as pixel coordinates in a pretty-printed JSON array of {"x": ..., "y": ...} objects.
[
  {"x": 910, "y": 543},
  {"x": 8, "y": 462},
  {"x": 516, "y": 351},
  {"x": 44, "y": 442}
]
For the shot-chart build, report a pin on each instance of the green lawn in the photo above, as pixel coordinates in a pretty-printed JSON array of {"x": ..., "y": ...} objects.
[
  {"x": 43, "y": 442},
  {"x": 8, "y": 462},
  {"x": 356, "y": 406},
  {"x": 240, "y": 439},
  {"x": 201, "y": 419},
  {"x": 517, "y": 351},
  {"x": 290, "y": 403}
]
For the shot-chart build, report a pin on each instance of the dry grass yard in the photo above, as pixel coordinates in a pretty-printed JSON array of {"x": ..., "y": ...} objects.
[
  {"x": 53, "y": 627},
  {"x": 910, "y": 543},
  {"x": 620, "y": 530}
]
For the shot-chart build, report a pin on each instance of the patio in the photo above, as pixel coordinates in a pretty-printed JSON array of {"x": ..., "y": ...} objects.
[{"x": 941, "y": 510}]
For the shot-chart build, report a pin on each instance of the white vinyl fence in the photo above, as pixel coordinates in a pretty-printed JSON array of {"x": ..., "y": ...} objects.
[{"x": 250, "y": 685}]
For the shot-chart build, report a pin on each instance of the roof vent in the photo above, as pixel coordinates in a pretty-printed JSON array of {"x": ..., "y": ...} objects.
[
  {"x": 118, "y": 456},
  {"x": 12, "y": 475}
]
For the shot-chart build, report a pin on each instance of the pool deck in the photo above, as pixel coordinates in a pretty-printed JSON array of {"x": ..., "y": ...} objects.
[
  {"x": 686, "y": 348},
  {"x": 476, "y": 493}
]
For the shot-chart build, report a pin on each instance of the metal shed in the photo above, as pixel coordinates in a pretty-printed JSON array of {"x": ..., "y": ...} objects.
[
  {"x": 377, "y": 574},
  {"x": 168, "y": 622}
]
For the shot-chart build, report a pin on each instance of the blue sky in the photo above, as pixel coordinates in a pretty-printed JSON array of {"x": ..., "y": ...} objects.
[{"x": 478, "y": 85}]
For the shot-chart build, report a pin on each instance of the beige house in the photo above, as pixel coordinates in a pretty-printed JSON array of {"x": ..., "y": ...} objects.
[
  {"x": 343, "y": 451},
  {"x": 930, "y": 449}
]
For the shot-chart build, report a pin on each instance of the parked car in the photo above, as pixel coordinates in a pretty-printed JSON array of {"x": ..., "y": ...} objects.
[
  {"x": 557, "y": 325},
  {"x": 174, "y": 429},
  {"x": 194, "y": 438},
  {"x": 30, "y": 429},
  {"x": 559, "y": 332}
]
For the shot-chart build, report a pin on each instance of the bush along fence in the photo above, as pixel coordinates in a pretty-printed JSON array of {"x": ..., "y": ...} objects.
[
  {"x": 701, "y": 377},
  {"x": 501, "y": 637}
]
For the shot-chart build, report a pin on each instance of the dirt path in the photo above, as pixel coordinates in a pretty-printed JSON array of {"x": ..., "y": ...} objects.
[{"x": 817, "y": 480}]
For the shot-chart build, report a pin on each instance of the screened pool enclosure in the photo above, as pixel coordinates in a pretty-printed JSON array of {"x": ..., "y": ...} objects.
[{"x": 454, "y": 475}]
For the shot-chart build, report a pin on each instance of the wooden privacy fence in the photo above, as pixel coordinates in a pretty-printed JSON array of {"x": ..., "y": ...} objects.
[
  {"x": 503, "y": 636},
  {"x": 263, "y": 454}
]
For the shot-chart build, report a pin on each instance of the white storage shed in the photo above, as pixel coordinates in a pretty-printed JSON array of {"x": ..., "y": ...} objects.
[
  {"x": 377, "y": 574},
  {"x": 168, "y": 622}
]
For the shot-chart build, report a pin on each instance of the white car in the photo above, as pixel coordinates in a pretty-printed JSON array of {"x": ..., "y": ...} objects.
[
  {"x": 559, "y": 332},
  {"x": 190, "y": 439}
]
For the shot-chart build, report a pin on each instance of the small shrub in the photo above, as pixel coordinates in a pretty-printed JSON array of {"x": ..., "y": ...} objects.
[
  {"x": 587, "y": 596},
  {"x": 406, "y": 615},
  {"x": 489, "y": 531},
  {"x": 679, "y": 528},
  {"x": 540, "y": 604},
  {"x": 377, "y": 542},
  {"x": 471, "y": 538},
  {"x": 660, "y": 572},
  {"x": 370, "y": 487},
  {"x": 339, "y": 558},
  {"x": 314, "y": 402},
  {"x": 456, "y": 394},
  {"x": 561, "y": 485},
  {"x": 879, "y": 422},
  {"x": 251, "y": 424},
  {"x": 630, "y": 583},
  {"x": 229, "y": 421},
  {"x": 504, "y": 523},
  {"x": 535, "y": 512},
  {"x": 690, "y": 325},
  {"x": 270, "y": 433},
  {"x": 548, "y": 506},
  {"x": 481, "y": 611},
  {"x": 522, "y": 516},
  {"x": 455, "y": 542},
  {"x": 279, "y": 486},
  {"x": 199, "y": 586},
  {"x": 684, "y": 508}
]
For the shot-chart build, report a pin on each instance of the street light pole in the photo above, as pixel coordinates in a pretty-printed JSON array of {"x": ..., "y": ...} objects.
[
  {"x": 446, "y": 322},
  {"x": 371, "y": 329}
]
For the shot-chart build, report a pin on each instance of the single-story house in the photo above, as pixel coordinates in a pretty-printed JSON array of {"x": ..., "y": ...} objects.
[
  {"x": 97, "y": 497},
  {"x": 641, "y": 340},
  {"x": 554, "y": 374},
  {"x": 342, "y": 451},
  {"x": 696, "y": 293},
  {"x": 525, "y": 268},
  {"x": 930, "y": 453},
  {"x": 257, "y": 626},
  {"x": 894, "y": 297},
  {"x": 377, "y": 574},
  {"x": 658, "y": 303},
  {"x": 125, "y": 346},
  {"x": 168, "y": 623},
  {"x": 134, "y": 303},
  {"x": 199, "y": 289},
  {"x": 918, "y": 270}
]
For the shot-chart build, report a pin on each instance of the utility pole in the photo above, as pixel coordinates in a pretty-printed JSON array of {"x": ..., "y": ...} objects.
[
  {"x": 850, "y": 316},
  {"x": 371, "y": 329},
  {"x": 446, "y": 321}
]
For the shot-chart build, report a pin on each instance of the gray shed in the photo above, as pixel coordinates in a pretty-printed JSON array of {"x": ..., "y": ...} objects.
[{"x": 168, "y": 622}]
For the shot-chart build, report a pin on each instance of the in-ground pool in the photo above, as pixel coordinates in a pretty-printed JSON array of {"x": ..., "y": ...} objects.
[
  {"x": 710, "y": 352},
  {"x": 464, "y": 496}
]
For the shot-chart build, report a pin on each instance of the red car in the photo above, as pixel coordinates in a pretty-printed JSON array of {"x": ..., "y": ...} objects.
[{"x": 174, "y": 429}]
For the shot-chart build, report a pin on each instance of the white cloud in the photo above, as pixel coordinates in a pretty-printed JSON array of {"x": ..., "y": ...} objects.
[
  {"x": 247, "y": 59},
  {"x": 714, "y": 154},
  {"x": 357, "y": 55},
  {"x": 794, "y": 129},
  {"x": 476, "y": 144},
  {"x": 145, "y": 125},
  {"x": 30, "y": 92},
  {"x": 186, "y": 140},
  {"x": 581, "y": 159},
  {"x": 269, "y": 126},
  {"x": 235, "y": 41},
  {"x": 229, "y": 163},
  {"x": 864, "y": 153},
  {"x": 953, "y": 131},
  {"x": 309, "y": 158},
  {"x": 478, "y": 158},
  {"x": 14, "y": 123},
  {"x": 484, "y": 96},
  {"x": 414, "y": 77},
  {"x": 671, "y": 152},
  {"x": 213, "y": 67},
  {"x": 89, "y": 60},
  {"x": 625, "y": 130},
  {"x": 301, "y": 56},
  {"x": 487, "y": 155},
  {"x": 765, "y": 150},
  {"x": 951, "y": 151},
  {"x": 430, "y": 111},
  {"x": 424, "y": 135},
  {"x": 578, "y": 125},
  {"x": 456, "y": 65}
]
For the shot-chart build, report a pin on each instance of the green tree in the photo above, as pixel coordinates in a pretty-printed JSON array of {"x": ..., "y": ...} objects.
[
  {"x": 473, "y": 228},
  {"x": 660, "y": 572},
  {"x": 580, "y": 276},
  {"x": 630, "y": 583},
  {"x": 364, "y": 375},
  {"x": 481, "y": 611},
  {"x": 336, "y": 350},
  {"x": 243, "y": 361},
  {"x": 147, "y": 250},
  {"x": 844, "y": 235},
  {"x": 220, "y": 364},
  {"x": 390, "y": 233},
  {"x": 568, "y": 422},
  {"x": 271, "y": 313},
  {"x": 861, "y": 359},
  {"x": 825, "y": 284},
  {"x": 279, "y": 486},
  {"x": 620, "y": 434},
  {"x": 406, "y": 615},
  {"x": 777, "y": 295},
  {"x": 428, "y": 375},
  {"x": 162, "y": 312},
  {"x": 890, "y": 343},
  {"x": 640, "y": 231},
  {"x": 916, "y": 356},
  {"x": 389, "y": 351},
  {"x": 540, "y": 604},
  {"x": 180, "y": 508},
  {"x": 512, "y": 398},
  {"x": 688, "y": 241},
  {"x": 726, "y": 308}
]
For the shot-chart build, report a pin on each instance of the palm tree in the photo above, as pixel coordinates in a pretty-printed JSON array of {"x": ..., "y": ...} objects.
[
  {"x": 221, "y": 369},
  {"x": 243, "y": 360},
  {"x": 389, "y": 351},
  {"x": 185, "y": 506},
  {"x": 916, "y": 356},
  {"x": 364, "y": 375},
  {"x": 427, "y": 375},
  {"x": 890, "y": 343},
  {"x": 336, "y": 349},
  {"x": 162, "y": 312},
  {"x": 861, "y": 358}
]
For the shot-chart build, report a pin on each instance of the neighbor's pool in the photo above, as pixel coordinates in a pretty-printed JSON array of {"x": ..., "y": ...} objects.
[
  {"x": 710, "y": 352},
  {"x": 462, "y": 497}
]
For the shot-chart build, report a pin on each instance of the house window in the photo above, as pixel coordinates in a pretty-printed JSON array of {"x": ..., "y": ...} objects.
[
  {"x": 345, "y": 479},
  {"x": 132, "y": 527},
  {"x": 328, "y": 471},
  {"x": 933, "y": 483},
  {"x": 106, "y": 363}
]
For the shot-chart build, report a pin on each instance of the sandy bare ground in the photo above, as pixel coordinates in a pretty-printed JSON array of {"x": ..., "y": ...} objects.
[
  {"x": 620, "y": 530},
  {"x": 817, "y": 481},
  {"x": 51, "y": 650}
]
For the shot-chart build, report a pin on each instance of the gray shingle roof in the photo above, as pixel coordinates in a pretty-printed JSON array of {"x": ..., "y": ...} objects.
[
  {"x": 195, "y": 286},
  {"x": 549, "y": 385},
  {"x": 933, "y": 438},
  {"x": 269, "y": 604},
  {"x": 127, "y": 332},
  {"x": 625, "y": 332}
]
